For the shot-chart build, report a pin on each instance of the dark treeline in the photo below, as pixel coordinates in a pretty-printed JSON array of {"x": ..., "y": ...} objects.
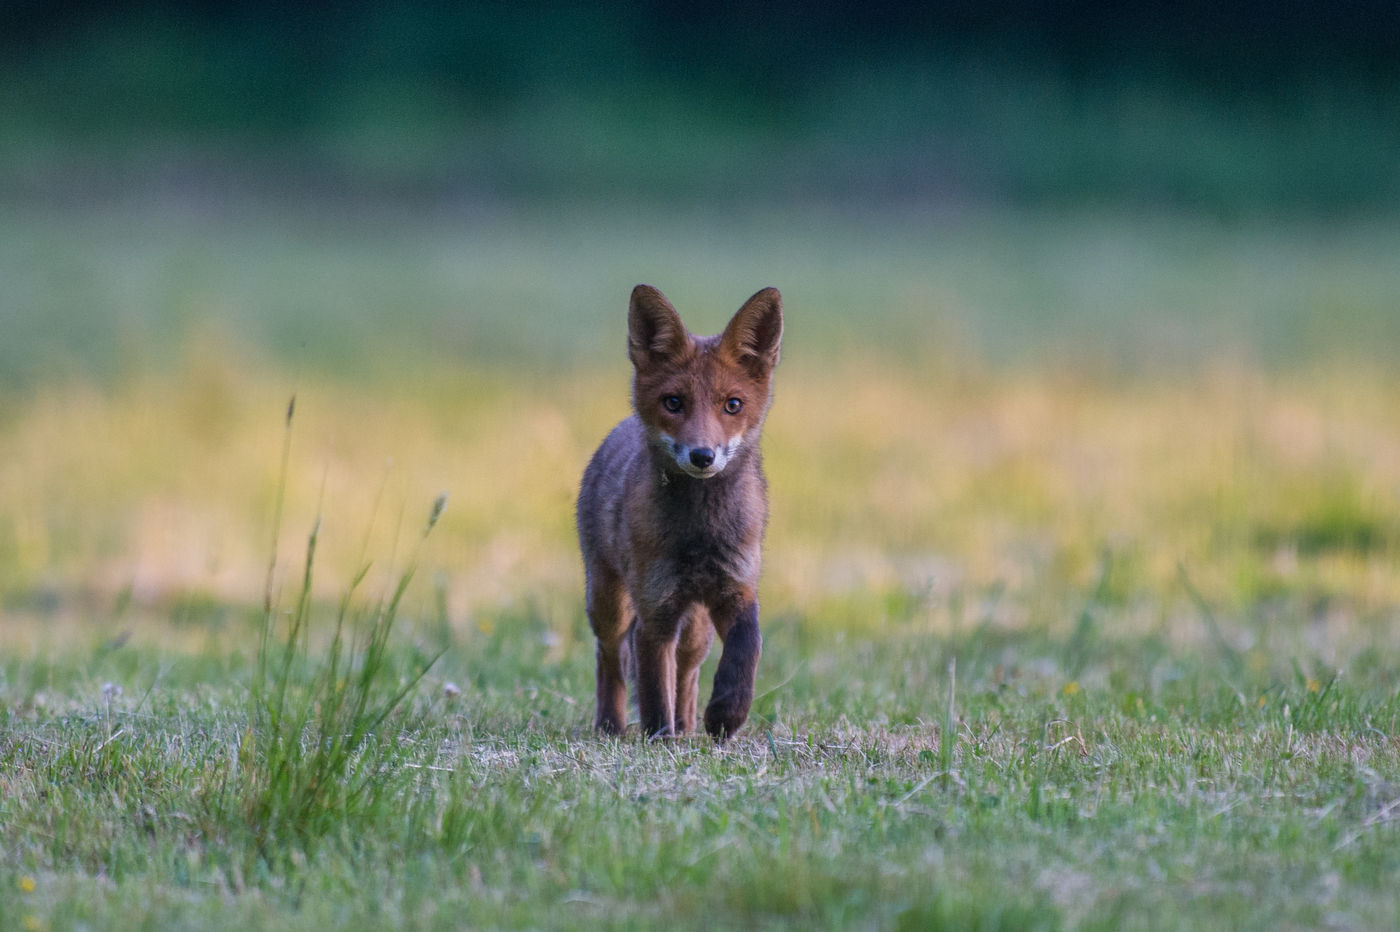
[
  {"x": 1275, "y": 101},
  {"x": 490, "y": 50}
]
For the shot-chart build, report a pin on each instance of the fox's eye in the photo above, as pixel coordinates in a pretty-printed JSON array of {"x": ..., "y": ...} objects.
[
  {"x": 672, "y": 403},
  {"x": 733, "y": 406}
]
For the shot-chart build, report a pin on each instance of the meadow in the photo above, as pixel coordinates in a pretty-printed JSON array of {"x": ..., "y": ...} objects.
[{"x": 1080, "y": 596}]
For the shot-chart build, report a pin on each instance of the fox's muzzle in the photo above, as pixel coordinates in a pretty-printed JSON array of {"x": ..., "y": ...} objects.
[{"x": 698, "y": 462}]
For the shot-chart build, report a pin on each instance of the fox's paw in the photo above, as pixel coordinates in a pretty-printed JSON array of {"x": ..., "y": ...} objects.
[
  {"x": 609, "y": 726},
  {"x": 664, "y": 733},
  {"x": 724, "y": 717}
]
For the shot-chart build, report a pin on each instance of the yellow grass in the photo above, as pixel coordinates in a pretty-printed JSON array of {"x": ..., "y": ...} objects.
[{"x": 884, "y": 480}]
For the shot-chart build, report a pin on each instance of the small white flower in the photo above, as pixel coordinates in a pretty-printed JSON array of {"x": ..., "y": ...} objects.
[{"x": 450, "y": 690}]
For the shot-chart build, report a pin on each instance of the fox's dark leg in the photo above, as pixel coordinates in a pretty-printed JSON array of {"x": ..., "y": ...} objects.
[
  {"x": 610, "y": 616},
  {"x": 697, "y": 634},
  {"x": 655, "y": 647},
  {"x": 738, "y": 665}
]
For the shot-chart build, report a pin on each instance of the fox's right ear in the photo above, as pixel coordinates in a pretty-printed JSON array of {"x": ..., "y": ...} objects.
[{"x": 654, "y": 329}]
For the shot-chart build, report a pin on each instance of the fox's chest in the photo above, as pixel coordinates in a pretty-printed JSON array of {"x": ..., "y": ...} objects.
[
  {"x": 700, "y": 558},
  {"x": 708, "y": 576}
]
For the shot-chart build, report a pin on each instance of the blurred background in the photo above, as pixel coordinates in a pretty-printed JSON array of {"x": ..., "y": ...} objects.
[
  {"x": 347, "y": 176},
  {"x": 1206, "y": 107},
  {"x": 1059, "y": 277}
]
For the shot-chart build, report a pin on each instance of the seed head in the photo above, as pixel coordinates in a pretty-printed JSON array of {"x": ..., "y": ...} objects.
[{"x": 439, "y": 504}]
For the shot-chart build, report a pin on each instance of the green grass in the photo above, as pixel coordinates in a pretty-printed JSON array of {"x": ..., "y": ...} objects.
[
  {"x": 1163, "y": 788},
  {"x": 132, "y": 286},
  {"x": 1046, "y": 645}
]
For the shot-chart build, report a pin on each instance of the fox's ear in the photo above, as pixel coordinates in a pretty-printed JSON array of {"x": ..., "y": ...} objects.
[
  {"x": 754, "y": 337},
  {"x": 654, "y": 329}
]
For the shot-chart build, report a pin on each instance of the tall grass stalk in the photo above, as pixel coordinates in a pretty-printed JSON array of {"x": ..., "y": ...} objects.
[
  {"x": 948, "y": 734},
  {"x": 319, "y": 749}
]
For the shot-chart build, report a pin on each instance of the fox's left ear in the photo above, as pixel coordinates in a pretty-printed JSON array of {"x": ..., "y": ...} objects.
[{"x": 754, "y": 336}]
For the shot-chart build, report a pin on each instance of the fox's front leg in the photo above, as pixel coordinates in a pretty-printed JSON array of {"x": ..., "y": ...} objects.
[
  {"x": 610, "y": 616},
  {"x": 738, "y": 666},
  {"x": 693, "y": 645},
  {"x": 656, "y": 676}
]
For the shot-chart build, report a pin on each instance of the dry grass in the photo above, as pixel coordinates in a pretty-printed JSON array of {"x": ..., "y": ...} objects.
[{"x": 883, "y": 480}]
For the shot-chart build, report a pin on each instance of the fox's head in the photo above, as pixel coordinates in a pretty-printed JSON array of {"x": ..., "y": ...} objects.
[{"x": 702, "y": 399}]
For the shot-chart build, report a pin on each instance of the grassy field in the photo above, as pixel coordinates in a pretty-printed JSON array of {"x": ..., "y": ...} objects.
[{"x": 1080, "y": 597}]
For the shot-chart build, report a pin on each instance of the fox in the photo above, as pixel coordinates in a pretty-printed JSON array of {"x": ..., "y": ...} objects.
[{"x": 671, "y": 515}]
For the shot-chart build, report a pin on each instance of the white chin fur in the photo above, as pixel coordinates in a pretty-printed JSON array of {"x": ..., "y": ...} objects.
[{"x": 680, "y": 455}]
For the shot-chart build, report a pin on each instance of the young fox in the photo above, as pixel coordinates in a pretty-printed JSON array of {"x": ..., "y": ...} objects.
[{"x": 671, "y": 515}]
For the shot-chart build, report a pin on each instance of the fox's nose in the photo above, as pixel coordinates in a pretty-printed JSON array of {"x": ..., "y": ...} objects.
[{"x": 702, "y": 457}]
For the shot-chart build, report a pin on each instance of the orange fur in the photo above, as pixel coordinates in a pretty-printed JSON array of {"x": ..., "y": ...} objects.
[{"x": 671, "y": 514}]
